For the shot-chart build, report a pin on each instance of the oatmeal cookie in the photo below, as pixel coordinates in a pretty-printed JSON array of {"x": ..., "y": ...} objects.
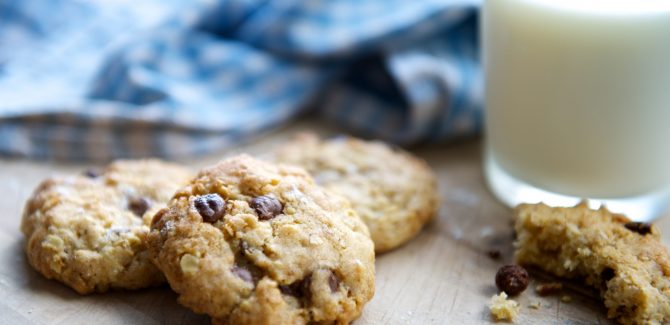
[
  {"x": 625, "y": 260},
  {"x": 249, "y": 242},
  {"x": 89, "y": 231},
  {"x": 394, "y": 192}
]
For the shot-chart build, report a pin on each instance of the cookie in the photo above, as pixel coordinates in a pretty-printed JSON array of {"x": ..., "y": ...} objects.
[
  {"x": 89, "y": 231},
  {"x": 624, "y": 260},
  {"x": 249, "y": 242},
  {"x": 394, "y": 192}
]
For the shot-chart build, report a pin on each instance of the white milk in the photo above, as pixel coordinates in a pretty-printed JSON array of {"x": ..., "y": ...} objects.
[{"x": 578, "y": 94}]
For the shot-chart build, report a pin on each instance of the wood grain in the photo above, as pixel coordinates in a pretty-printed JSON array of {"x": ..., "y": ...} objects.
[{"x": 444, "y": 276}]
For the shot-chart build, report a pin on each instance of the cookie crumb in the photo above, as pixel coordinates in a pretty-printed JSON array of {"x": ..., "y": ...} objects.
[
  {"x": 503, "y": 309},
  {"x": 566, "y": 299},
  {"x": 546, "y": 289},
  {"x": 535, "y": 305}
]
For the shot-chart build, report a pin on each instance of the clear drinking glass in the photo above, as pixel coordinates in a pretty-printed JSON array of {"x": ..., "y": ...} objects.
[{"x": 578, "y": 103}]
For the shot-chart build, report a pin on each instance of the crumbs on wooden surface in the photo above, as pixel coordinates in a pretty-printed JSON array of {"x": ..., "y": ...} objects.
[
  {"x": 535, "y": 305},
  {"x": 503, "y": 309},
  {"x": 546, "y": 289}
]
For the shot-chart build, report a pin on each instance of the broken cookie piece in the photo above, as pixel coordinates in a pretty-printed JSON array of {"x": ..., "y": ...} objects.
[{"x": 625, "y": 261}]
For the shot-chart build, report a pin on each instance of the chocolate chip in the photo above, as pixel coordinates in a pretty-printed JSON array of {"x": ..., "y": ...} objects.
[
  {"x": 292, "y": 289},
  {"x": 512, "y": 279},
  {"x": 139, "y": 205},
  {"x": 333, "y": 282},
  {"x": 641, "y": 228},
  {"x": 266, "y": 207},
  {"x": 210, "y": 206},
  {"x": 243, "y": 274},
  {"x": 298, "y": 289},
  {"x": 494, "y": 254},
  {"x": 92, "y": 173},
  {"x": 607, "y": 274}
]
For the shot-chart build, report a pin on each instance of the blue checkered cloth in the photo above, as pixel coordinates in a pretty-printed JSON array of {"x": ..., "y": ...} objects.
[{"x": 96, "y": 80}]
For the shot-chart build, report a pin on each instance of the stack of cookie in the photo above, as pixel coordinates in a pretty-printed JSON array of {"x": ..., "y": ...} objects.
[{"x": 245, "y": 241}]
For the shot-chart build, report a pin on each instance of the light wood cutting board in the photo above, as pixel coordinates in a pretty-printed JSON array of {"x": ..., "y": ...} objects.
[{"x": 444, "y": 276}]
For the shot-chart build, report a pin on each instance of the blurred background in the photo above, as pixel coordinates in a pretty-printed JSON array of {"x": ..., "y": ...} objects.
[{"x": 98, "y": 80}]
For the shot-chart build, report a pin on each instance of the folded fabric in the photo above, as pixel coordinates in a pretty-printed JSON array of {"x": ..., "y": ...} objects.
[{"x": 96, "y": 80}]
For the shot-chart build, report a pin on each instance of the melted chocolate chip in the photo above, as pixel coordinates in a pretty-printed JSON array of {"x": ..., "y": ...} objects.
[
  {"x": 211, "y": 207},
  {"x": 243, "y": 274},
  {"x": 333, "y": 282},
  {"x": 139, "y": 205},
  {"x": 266, "y": 207},
  {"x": 641, "y": 228}
]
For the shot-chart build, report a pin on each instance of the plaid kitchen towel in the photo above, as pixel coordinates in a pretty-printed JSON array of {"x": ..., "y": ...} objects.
[{"x": 95, "y": 80}]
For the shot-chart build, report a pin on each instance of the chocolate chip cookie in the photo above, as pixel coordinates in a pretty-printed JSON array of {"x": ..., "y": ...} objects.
[
  {"x": 625, "y": 260},
  {"x": 249, "y": 242},
  {"x": 89, "y": 231},
  {"x": 394, "y": 192}
]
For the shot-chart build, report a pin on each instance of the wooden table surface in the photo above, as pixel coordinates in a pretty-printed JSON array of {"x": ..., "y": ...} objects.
[{"x": 443, "y": 276}]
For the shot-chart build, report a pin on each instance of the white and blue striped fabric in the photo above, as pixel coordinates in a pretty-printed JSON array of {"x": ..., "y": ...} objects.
[{"x": 96, "y": 80}]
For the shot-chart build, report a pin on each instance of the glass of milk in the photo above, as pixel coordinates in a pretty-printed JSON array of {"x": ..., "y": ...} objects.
[{"x": 578, "y": 102}]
